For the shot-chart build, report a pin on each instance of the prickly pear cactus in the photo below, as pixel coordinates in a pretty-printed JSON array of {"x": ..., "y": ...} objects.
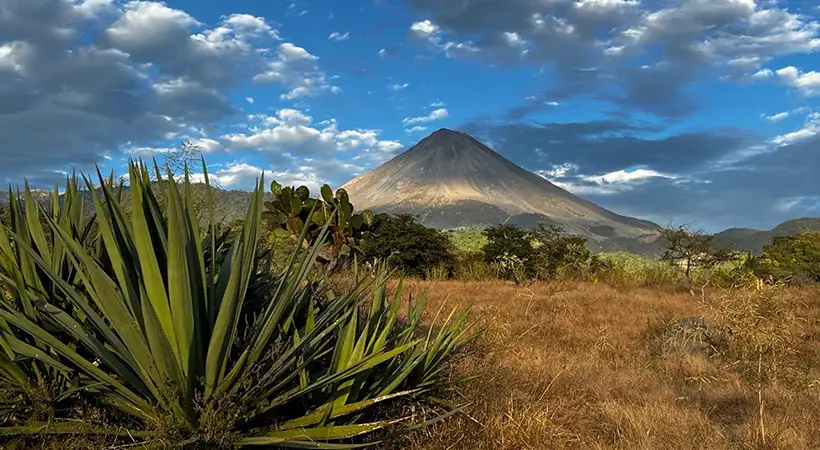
[{"x": 291, "y": 210}]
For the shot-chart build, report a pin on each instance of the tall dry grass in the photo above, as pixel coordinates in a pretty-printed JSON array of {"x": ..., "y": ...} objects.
[{"x": 574, "y": 365}]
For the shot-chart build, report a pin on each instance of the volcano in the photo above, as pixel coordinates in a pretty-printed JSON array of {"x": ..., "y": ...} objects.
[{"x": 450, "y": 180}]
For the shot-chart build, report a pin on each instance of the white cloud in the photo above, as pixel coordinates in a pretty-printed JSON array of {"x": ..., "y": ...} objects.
[
  {"x": 236, "y": 175},
  {"x": 559, "y": 170},
  {"x": 425, "y": 29},
  {"x": 296, "y": 68},
  {"x": 763, "y": 74},
  {"x": 566, "y": 176},
  {"x": 242, "y": 175},
  {"x": 777, "y": 117},
  {"x": 810, "y": 128},
  {"x": 293, "y": 134},
  {"x": 246, "y": 26},
  {"x": 808, "y": 83},
  {"x": 336, "y": 36},
  {"x": 293, "y": 116},
  {"x": 437, "y": 104},
  {"x": 416, "y": 129},
  {"x": 436, "y": 114},
  {"x": 383, "y": 52},
  {"x": 790, "y": 204},
  {"x": 600, "y": 45},
  {"x": 623, "y": 176},
  {"x": 206, "y": 145},
  {"x": 146, "y": 152},
  {"x": 398, "y": 87},
  {"x": 85, "y": 80}
]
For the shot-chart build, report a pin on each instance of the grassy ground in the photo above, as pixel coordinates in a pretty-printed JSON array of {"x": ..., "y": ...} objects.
[{"x": 572, "y": 365}]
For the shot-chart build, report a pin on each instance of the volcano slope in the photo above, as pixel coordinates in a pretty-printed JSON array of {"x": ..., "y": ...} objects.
[{"x": 451, "y": 180}]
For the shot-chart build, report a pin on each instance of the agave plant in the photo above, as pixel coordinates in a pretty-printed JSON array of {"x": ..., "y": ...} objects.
[
  {"x": 190, "y": 333},
  {"x": 32, "y": 379}
]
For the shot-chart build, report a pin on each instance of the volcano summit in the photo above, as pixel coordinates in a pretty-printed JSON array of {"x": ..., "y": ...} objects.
[{"x": 451, "y": 180}]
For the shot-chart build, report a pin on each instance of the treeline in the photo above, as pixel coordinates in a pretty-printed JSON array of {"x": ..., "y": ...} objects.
[{"x": 690, "y": 257}]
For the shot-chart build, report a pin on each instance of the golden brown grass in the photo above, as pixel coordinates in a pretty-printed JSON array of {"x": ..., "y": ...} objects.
[{"x": 571, "y": 365}]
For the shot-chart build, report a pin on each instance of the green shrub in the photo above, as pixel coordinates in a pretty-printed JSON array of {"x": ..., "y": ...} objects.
[
  {"x": 410, "y": 247},
  {"x": 558, "y": 256},
  {"x": 793, "y": 258},
  {"x": 627, "y": 269},
  {"x": 470, "y": 240},
  {"x": 510, "y": 243},
  {"x": 542, "y": 253},
  {"x": 471, "y": 266},
  {"x": 189, "y": 335}
]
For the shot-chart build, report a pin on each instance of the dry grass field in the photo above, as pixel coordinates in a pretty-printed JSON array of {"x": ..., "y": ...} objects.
[{"x": 578, "y": 365}]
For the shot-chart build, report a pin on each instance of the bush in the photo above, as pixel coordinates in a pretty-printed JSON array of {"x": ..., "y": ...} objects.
[
  {"x": 541, "y": 253},
  {"x": 410, "y": 247},
  {"x": 470, "y": 266},
  {"x": 470, "y": 240},
  {"x": 557, "y": 255},
  {"x": 510, "y": 243},
  {"x": 190, "y": 339},
  {"x": 792, "y": 258}
]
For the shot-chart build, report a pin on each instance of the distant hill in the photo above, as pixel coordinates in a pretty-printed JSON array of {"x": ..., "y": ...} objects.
[
  {"x": 752, "y": 240},
  {"x": 450, "y": 180}
]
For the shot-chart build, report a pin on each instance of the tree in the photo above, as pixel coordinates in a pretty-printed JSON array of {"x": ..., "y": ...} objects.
[
  {"x": 691, "y": 249},
  {"x": 542, "y": 252},
  {"x": 187, "y": 154},
  {"x": 507, "y": 239},
  {"x": 555, "y": 253},
  {"x": 790, "y": 257},
  {"x": 410, "y": 246}
]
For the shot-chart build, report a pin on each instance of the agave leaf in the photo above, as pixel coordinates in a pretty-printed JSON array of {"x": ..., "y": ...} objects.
[
  {"x": 32, "y": 212},
  {"x": 344, "y": 410},
  {"x": 90, "y": 369},
  {"x": 21, "y": 348},
  {"x": 186, "y": 285},
  {"x": 230, "y": 292},
  {"x": 150, "y": 270},
  {"x": 282, "y": 437}
]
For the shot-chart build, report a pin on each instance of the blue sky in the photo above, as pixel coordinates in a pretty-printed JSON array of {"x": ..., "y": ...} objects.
[{"x": 686, "y": 111}]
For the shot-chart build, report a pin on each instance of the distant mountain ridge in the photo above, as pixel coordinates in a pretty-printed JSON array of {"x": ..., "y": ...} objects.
[
  {"x": 753, "y": 240},
  {"x": 451, "y": 180}
]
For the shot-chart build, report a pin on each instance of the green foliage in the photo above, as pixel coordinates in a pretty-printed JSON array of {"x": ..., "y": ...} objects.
[
  {"x": 795, "y": 258},
  {"x": 410, "y": 247},
  {"x": 295, "y": 211},
  {"x": 187, "y": 331},
  {"x": 628, "y": 269},
  {"x": 33, "y": 382},
  {"x": 470, "y": 241},
  {"x": 542, "y": 253},
  {"x": 510, "y": 243},
  {"x": 557, "y": 255},
  {"x": 470, "y": 266}
]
